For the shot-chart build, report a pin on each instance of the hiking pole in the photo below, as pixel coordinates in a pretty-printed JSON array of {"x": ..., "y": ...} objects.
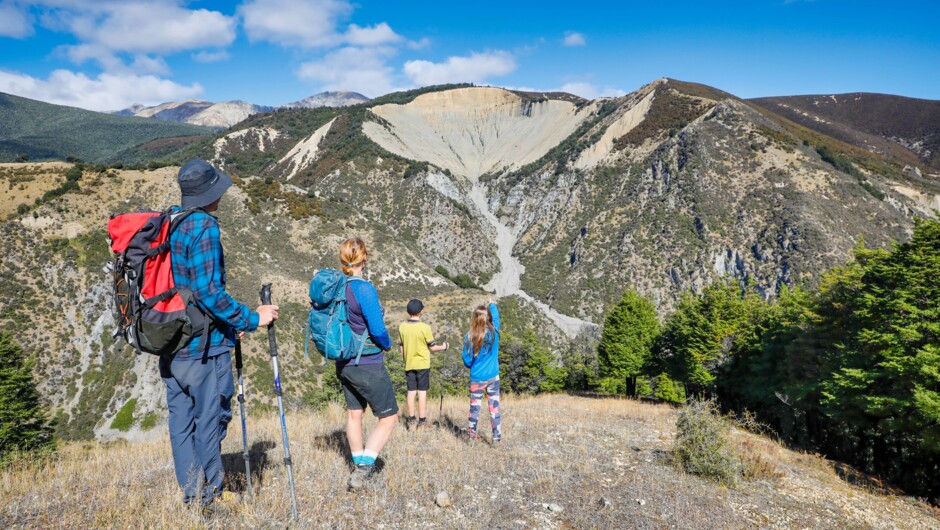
[
  {"x": 266, "y": 300},
  {"x": 241, "y": 405}
]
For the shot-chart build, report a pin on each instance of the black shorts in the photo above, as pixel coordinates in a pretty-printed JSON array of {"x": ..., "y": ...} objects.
[
  {"x": 368, "y": 384},
  {"x": 418, "y": 379}
]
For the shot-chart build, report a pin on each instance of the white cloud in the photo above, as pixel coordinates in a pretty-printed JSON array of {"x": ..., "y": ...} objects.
[
  {"x": 377, "y": 35},
  {"x": 589, "y": 91},
  {"x": 474, "y": 69},
  {"x": 210, "y": 57},
  {"x": 306, "y": 24},
  {"x": 573, "y": 38},
  {"x": 144, "y": 64},
  {"x": 14, "y": 21},
  {"x": 162, "y": 28},
  {"x": 106, "y": 58},
  {"x": 103, "y": 93},
  {"x": 419, "y": 44},
  {"x": 132, "y": 36},
  {"x": 362, "y": 70}
]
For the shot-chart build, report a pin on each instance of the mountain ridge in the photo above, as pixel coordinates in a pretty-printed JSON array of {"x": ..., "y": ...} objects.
[
  {"x": 664, "y": 190},
  {"x": 224, "y": 114},
  {"x": 895, "y": 126}
]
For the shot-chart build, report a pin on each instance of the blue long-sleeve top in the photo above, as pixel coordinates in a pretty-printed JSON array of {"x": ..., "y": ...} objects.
[
  {"x": 365, "y": 314},
  {"x": 199, "y": 265},
  {"x": 486, "y": 363}
]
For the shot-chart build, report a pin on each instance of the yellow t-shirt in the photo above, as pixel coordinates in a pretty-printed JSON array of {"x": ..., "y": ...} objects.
[{"x": 415, "y": 337}]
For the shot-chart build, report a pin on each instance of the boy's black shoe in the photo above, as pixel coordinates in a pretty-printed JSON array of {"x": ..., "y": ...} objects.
[
  {"x": 411, "y": 423},
  {"x": 422, "y": 423}
]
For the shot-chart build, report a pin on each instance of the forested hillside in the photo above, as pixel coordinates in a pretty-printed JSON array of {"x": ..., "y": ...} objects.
[
  {"x": 849, "y": 368},
  {"x": 32, "y": 130}
]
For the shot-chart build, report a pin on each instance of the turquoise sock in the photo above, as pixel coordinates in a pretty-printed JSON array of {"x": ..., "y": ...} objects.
[
  {"x": 368, "y": 458},
  {"x": 357, "y": 458}
]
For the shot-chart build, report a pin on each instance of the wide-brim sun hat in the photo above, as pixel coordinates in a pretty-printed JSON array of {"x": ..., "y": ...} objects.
[{"x": 201, "y": 184}]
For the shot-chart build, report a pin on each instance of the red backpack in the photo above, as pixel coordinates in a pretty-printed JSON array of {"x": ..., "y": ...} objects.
[{"x": 152, "y": 314}]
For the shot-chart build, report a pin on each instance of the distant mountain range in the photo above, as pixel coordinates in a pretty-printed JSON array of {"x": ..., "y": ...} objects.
[
  {"x": 337, "y": 98},
  {"x": 198, "y": 112},
  {"x": 224, "y": 114}
]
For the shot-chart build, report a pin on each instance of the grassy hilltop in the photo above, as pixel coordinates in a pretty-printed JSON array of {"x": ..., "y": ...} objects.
[{"x": 566, "y": 462}]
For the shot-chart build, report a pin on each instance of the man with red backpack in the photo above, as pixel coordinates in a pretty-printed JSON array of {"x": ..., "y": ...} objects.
[{"x": 198, "y": 377}]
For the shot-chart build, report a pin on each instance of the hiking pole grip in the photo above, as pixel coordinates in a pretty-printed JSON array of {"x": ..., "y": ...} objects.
[
  {"x": 266, "y": 300},
  {"x": 266, "y": 293}
]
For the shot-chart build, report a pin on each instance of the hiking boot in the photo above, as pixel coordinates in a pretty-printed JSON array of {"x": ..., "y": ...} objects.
[
  {"x": 205, "y": 508},
  {"x": 226, "y": 503},
  {"x": 206, "y": 512},
  {"x": 360, "y": 477},
  {"x": 226, "y": 498},
  {"x": 422, "y": 424},
  {"x": 412, "y": 423}
]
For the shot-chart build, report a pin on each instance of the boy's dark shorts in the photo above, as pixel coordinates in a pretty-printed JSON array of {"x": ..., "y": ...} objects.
[
  {"x": 418, "y": 379},
  {"x": 368, "y": 384}
]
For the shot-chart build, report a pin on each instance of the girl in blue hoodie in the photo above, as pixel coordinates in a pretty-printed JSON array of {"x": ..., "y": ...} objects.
[{"x": 481, "y": 356}]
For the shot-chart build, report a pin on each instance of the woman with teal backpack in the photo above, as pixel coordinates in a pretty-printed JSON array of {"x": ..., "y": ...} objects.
[
  {"x": 365, "y": 380},
  {"x": 481, "y": 356}
]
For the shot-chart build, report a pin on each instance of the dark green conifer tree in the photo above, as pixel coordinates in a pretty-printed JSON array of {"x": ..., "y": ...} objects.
[
  {"x": 625, "y": 347},
  {"x": 24, "y": 426}
]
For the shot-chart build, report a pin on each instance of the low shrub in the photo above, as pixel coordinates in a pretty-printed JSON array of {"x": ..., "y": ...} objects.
[
  {"x": 149, "y": 421},
  {"x": 703, "y": 443},
  {"x": 124, "y": 419}
]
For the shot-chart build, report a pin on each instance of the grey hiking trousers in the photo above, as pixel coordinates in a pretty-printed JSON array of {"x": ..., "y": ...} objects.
[{"x": 199, "y": 397}]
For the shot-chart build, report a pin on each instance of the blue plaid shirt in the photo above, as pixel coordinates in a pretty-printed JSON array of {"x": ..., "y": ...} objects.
[{"x": 199, "y": 265}]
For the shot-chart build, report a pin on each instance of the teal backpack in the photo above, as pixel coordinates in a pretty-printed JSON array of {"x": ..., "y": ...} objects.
[{"x": 328, "y": 322}]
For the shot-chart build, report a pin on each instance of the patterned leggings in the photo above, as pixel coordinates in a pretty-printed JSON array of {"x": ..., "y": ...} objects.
[{"x": 477, "y": 388}]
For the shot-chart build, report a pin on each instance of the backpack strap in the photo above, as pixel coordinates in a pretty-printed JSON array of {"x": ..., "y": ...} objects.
[
  {"x": 361, "y": 346},
  {"x": 333, "y": 308},
  {"x": 179, "y": 216},
  {"x": 131, "y": 333},
  {"x": 154, "y": 300}
]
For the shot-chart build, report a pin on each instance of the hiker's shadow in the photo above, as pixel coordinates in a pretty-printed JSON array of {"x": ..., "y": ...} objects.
[
  {"x": 337, "y": 441},
  {"x": 447, "y": 424},
  {"x": 234, "y": 465}
]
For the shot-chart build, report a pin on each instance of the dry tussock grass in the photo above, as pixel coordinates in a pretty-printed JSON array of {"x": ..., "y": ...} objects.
[
  {"x": 24, "y": 183},
  {"x": 577, "y": 452}
]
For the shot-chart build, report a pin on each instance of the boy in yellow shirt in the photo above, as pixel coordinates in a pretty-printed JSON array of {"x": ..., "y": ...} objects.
[{"x": 417, "y": 343}]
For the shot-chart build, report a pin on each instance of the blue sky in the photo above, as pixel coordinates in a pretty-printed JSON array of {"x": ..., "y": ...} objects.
[{"x": 106, "y": 55}]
